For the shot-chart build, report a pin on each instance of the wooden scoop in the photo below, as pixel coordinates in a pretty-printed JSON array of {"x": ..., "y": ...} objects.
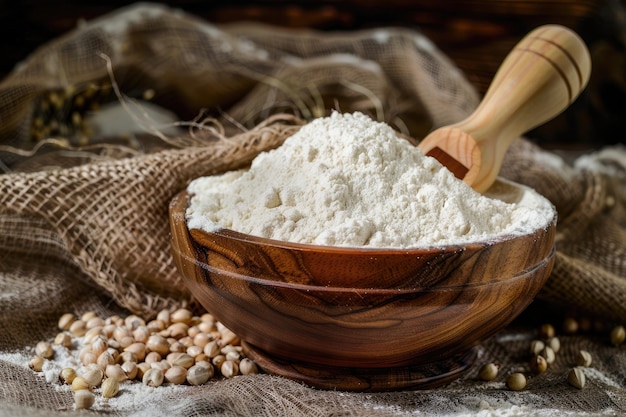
[{"x": 539, "y": 79}]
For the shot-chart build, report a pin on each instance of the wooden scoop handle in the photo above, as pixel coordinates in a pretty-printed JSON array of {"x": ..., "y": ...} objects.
[{"x": 540, "y": 78}]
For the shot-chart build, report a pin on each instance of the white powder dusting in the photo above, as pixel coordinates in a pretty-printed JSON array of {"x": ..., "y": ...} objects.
[
  {"x": 345, "y": 180},
  {"x": 131, "y": 16},
  {"x": 381, "y": 36},
  {"x": 134, "y": 398},
  {"x": 609, "y": 160}
]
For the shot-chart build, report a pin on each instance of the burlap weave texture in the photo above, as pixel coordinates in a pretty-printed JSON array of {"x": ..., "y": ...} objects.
[{"x": 86, "y": 224}]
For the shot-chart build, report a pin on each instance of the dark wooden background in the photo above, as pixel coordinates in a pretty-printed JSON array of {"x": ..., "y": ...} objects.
[{"x": 476, "y": 34}]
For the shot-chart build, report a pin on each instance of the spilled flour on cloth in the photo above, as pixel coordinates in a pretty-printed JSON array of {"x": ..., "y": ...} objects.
[
  {"x": 346, "y": 180},
  {"x": 133, "y": 400}
]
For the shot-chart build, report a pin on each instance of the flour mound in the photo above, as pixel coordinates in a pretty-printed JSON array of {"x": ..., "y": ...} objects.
[{"x": 346, "y": 180}]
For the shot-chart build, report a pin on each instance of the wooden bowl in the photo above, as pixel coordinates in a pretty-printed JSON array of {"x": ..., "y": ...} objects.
[{"x": 360, "y": 319}]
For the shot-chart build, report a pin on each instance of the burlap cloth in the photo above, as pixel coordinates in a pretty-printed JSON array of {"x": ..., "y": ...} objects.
[{"x": 83, "y": 219}]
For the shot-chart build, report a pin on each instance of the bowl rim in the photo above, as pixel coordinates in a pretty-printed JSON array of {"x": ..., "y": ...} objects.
[
  {"x": 365, "y": 290},
  {"x": 366, "y": 250}
]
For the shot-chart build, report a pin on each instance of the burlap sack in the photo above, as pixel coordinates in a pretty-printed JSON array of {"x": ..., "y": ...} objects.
[
  {"x": 86, "y": 217},
  {"x": 110, "y": 216}
]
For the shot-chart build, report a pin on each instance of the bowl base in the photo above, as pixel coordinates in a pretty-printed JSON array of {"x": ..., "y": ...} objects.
[{"x": 422, "y": 376}]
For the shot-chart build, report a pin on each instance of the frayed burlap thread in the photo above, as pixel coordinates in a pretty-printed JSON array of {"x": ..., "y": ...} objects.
[{"x": 111, "y": 217}]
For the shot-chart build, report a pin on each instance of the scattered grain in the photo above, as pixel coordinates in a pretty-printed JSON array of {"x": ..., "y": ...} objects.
[
  {"x": 153, "y": 377},
  {"x": 516, "y": 381},
  {"x": 67, "y": 375},
  {"x": 83, "y": 399},
  {"x": 66, "y": 320},
  {"x": 618, "y": 335},
  {"x": 110, "y": 387},
  {"x": 63, "y": 339},
  {"x": 248, "y": 367},
  {"x": 546, "y": 331},
  {"x": 583, "y": 359},
  {"x": 538, "y": 364},
  {"x": 576, "y": 377},
  {"x": 199, "y": 375},
  {"x": 44, "y": 349},
  {"x": 36, "y": 363},
  {"x": 570, "y": 325},
  {"x": 176, "y": 375},
  {"x": 229, "y": 369}
]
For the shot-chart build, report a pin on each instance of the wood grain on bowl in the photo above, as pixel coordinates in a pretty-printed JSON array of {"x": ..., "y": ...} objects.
[
  {"x": 295, "y": 303},
  {"x": 374, "y": 268}
]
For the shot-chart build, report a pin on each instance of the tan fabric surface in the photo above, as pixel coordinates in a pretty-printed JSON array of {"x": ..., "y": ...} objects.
[{"x": 84, "y": 227}]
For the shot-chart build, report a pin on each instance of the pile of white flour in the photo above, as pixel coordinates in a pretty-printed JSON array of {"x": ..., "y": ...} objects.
[{"x": 345, "y": 180}]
